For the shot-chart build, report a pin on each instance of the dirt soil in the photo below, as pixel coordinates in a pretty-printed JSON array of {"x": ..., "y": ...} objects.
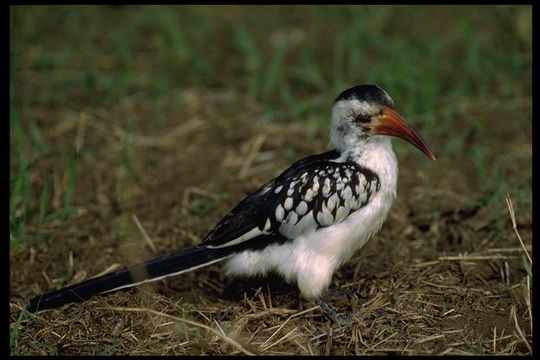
[{"x": 441, "y": 277}]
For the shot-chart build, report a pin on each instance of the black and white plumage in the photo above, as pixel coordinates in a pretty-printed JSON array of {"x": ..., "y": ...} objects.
[{"x": 304, "y": 223}]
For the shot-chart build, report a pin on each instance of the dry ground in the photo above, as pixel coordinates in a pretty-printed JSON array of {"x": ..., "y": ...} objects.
[{"x": 464, "y": 293}]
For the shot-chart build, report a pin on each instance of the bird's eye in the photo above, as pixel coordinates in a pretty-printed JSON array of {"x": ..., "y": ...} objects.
[{"x": 362, "y": 119}]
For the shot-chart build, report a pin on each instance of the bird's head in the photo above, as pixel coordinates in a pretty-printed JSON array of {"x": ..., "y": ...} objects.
[{"x": 367, "y": 111}]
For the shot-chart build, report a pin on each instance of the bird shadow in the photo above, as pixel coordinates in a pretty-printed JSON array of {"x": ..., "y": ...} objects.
[{"x": 241, "y": 287}]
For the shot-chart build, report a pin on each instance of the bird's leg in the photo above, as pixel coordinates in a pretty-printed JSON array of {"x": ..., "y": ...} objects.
[{"x": 333, "y": 314}]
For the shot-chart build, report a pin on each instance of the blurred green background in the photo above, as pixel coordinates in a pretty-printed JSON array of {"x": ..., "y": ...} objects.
[{"x": 461, "y": 74}]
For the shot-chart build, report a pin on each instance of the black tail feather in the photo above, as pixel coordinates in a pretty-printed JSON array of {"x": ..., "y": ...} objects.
[{"x": 151, "y": 270}]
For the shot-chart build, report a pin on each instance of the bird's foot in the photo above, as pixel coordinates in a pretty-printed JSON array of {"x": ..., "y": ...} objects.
[{"x": 339, "y": 318}]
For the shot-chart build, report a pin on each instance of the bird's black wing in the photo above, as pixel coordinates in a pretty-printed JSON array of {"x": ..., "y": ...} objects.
[{"x": 314, "y": 192}]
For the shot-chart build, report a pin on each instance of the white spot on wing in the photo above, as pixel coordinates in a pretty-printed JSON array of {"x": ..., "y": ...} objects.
[
  {"x": 325, "y": 210},
  {"x": 346, "y": 194},
  {"x": 363, "y": 180},
  {"x": 301, "y": 208},
  {"x": 280, "y": 212},
  {"x": 363, "y": 196},
  {"x": 302, "y": 226},
  {"x": 326, "y": 187},
  {"x": 357, "y": 203},
  {"x": 324, "y": 218},
  {"x": 267, "y": 225},
  {"x": 332, "y": 201},
  {"x": 292, "y": 218},
  {"x": 315, "y": 186},
  {"x": 288, "y": 203},
  {"x": 309, "y": 195},
  {"x": 341, "y": 213},
  {"x": 278, "y": 189},
  {"x": 352, "y": 203}
]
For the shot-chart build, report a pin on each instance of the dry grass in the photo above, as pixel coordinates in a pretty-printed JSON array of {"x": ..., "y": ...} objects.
[{"x": 467, "y": 301}]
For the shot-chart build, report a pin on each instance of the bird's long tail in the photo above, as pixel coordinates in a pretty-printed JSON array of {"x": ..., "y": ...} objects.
[{"x": 152, "y": 270}]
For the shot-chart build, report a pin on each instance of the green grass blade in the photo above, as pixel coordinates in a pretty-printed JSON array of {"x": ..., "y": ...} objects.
[
  {"x": 274, "y": 71},
  {"x": 43, "y": 201},
  {"x": 71, "y": 183}
]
